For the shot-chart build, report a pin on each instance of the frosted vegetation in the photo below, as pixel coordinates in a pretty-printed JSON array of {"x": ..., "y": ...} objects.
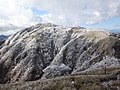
[{"x": 47, "y": 51}]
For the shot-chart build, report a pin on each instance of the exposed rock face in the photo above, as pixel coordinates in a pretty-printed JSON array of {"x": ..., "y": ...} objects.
[{"x": 47, "y": 50}]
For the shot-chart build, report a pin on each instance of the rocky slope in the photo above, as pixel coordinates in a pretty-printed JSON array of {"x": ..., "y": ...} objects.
[{"x": 48, "y": 50}]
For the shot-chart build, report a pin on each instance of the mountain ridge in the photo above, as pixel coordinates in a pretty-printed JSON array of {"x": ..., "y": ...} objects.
[{"x": 47, "y": 51}]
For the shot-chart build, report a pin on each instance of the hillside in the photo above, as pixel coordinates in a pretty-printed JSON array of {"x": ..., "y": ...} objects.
[
  {"x": 46, "y": 51},
  {"x": 70, "y": 82}
]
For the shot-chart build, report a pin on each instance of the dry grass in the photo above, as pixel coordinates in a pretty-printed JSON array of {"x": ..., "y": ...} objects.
[
  {"x": 108, "y": 71},
  {"x": 96, "y": 35},
  {"x": 81, "y": 82}
]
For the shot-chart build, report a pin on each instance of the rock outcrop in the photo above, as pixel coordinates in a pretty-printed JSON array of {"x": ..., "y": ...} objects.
[{"x": 48, "y": 50}]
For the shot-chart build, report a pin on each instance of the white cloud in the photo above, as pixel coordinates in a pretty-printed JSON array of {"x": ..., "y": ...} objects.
[
  {"x": 63, "y": 12},
  {"x": 76, "y": 12},
  {"x": 17, "y": 12}
]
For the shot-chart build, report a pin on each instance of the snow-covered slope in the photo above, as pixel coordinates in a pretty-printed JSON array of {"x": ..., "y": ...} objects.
[{"x": 48, "y": 50}]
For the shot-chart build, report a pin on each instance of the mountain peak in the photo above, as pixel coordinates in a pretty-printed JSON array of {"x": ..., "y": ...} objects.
[{"x": 48, "y": 50}]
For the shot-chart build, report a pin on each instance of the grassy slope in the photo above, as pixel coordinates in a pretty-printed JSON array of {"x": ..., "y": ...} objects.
[{"x": 81, "y": 82}]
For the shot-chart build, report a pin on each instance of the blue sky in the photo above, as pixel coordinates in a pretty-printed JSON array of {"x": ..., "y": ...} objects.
[{"x": 38, "y": 11}]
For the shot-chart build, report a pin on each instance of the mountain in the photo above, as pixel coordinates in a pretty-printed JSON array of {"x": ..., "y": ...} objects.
[
  {"x": 2, "y": 40},
  {"x": 47, "y": 51},
  {"x": 3, "y": 37},
  {"x": 115, "y": 30}
]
